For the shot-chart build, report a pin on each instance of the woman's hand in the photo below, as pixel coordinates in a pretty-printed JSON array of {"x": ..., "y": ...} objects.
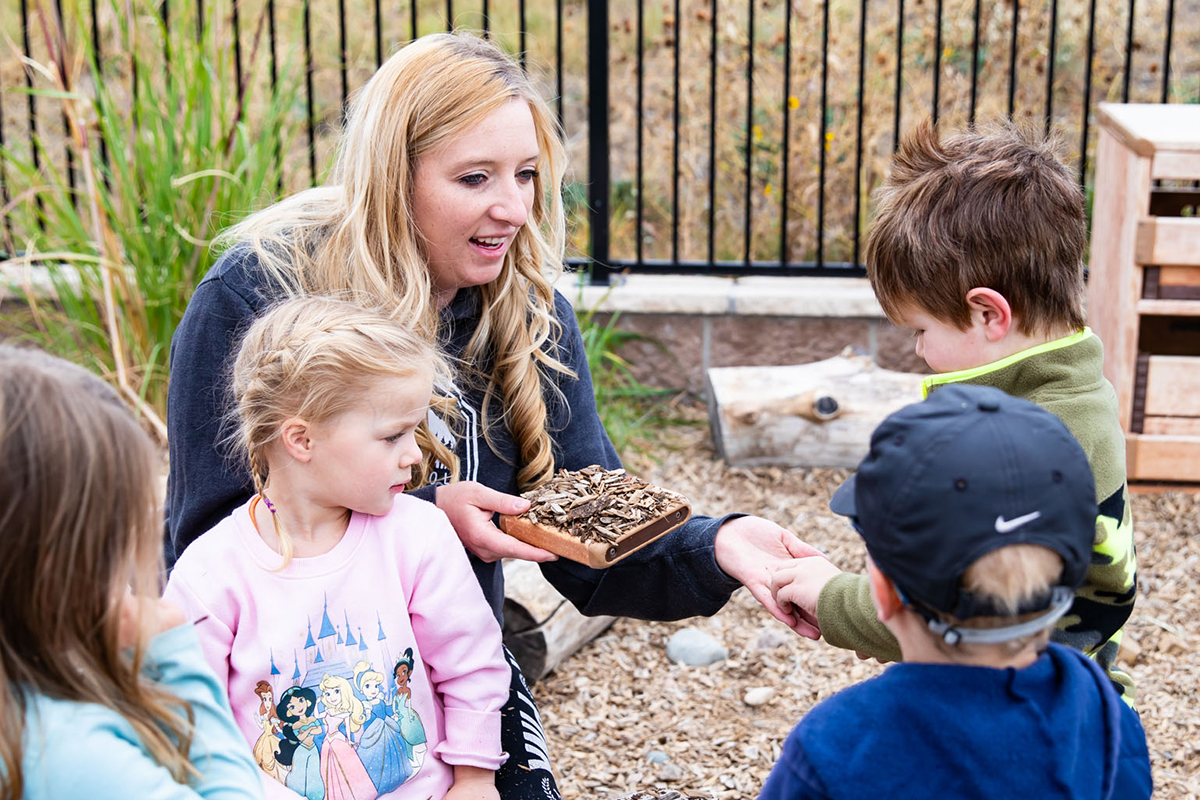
[
  {"x": 470, "y": 507},
  {"x": 750, "y": 550}
]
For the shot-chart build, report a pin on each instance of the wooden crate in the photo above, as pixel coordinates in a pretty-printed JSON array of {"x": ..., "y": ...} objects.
[{"x": 1144, "y": 282}]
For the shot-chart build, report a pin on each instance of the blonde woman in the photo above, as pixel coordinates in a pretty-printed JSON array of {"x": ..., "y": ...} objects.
[
  {"x": 381, "y": 747},
  {"x": 342, "y": 771},
  {"x": 445, "y": 205},
  {"x": 104, "y": 692}
]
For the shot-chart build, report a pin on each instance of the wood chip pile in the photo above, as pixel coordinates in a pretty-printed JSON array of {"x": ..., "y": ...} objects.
[
  {"x": 597, "y": 505},
  {"x": 621, "y": 719}
]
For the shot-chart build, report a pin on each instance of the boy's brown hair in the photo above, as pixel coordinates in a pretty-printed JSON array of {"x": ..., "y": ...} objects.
[{"x": 994, "y": 208}]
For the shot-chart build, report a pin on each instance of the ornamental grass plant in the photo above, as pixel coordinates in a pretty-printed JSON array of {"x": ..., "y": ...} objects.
[
  {"x": 628, "y": 408},
  {"x": 106, "y": 245}
]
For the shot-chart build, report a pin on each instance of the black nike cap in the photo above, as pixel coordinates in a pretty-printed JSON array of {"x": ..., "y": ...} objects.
[{"x": 954, "y": 477}]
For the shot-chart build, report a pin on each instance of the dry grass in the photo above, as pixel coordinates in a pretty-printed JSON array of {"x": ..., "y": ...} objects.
[
  {"x": 620, "y": 698},
  {"x": 663, "y": 27}
]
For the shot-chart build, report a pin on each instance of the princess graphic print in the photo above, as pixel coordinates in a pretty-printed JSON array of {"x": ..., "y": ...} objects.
[
  {"x": 362, "y": 736},
  {"x": 366, "y": 672}
]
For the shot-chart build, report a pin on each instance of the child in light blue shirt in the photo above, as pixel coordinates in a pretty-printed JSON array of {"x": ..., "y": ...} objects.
[{"x": 104, "y": 692}]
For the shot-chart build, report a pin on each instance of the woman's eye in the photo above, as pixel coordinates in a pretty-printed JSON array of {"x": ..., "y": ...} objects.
[
  {"x": 474, "y": 179},
  {"x": 527, "y": 174},
  {"x": 395, "y": 437}
]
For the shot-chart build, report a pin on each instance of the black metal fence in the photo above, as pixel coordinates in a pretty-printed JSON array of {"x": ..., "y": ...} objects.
[{"x": 719, "y": 136}]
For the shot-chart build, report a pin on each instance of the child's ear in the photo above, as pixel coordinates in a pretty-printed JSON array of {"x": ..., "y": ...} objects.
[
  {"x": 989, "y": 309},
  {"x": 295, "y": 439},
  {"x": 883, "y": 591}
]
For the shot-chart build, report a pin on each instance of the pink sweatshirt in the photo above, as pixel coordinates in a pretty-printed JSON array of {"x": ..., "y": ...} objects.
[{"x": 364, "y": 672}]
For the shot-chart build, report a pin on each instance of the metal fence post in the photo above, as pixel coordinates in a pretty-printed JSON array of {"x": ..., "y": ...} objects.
[{"x": 598, "y": 166}]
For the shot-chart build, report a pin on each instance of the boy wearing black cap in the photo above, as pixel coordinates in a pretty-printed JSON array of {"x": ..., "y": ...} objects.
[
  {"x": 977, "y": 246},
  {"x": 977, "y": 510}
]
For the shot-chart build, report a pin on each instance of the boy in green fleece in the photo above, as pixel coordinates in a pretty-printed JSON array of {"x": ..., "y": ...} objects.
[{"x": 977, "y": 246}]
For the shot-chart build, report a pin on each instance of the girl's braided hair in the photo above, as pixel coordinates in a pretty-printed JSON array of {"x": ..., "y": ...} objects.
[{"x": 313, "y": 357}]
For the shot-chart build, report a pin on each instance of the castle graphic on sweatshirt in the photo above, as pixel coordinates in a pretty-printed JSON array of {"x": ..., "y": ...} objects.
[{"x": 343, "y": 725}]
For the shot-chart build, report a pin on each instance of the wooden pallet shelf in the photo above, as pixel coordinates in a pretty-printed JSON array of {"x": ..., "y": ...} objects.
[{"x": 1144, "y": 282}]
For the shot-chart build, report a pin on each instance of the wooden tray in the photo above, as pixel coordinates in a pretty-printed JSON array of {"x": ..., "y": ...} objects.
[{"x": 597, "y": 555}]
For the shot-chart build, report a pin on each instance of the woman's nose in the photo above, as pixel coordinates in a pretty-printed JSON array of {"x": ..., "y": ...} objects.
[{"x": 510, "y": 205}]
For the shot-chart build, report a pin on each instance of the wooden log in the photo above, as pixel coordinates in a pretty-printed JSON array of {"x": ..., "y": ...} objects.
[
  {"x": 541, "y": 628},
  {"x": 809, "y": 415}
]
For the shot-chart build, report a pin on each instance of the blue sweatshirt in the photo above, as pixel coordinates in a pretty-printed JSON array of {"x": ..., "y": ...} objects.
[
  {"x": 673, "y": 578},
  {"x": 1055, "y": 729},
  {"x": 84, "y": 750}
]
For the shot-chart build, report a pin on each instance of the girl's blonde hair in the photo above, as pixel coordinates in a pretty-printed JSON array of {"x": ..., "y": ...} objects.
[
  {"x": 80, "y": 527},
  {"x": 355, "y": 234},
  {"x": 364, "y": 672},
  {"x": 314, "y": 358},
  {"x": 351, "y": 705}
]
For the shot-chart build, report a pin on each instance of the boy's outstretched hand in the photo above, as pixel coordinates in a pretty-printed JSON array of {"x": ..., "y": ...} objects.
[
  {"x": 796, "y": 585},
  {"x": 751, "y": 550}
]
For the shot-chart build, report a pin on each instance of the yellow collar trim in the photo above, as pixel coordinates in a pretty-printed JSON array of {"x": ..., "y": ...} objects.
[{"x": 934, "y": 381}]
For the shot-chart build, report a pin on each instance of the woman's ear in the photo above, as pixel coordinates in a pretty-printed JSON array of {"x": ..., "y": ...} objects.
[
  {"x": 295, "y": 438},
  {"x": 990, "y": 310},
  {"x": 883, "y": 591}
]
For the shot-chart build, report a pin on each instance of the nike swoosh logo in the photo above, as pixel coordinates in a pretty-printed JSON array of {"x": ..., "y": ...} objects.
[{"x": 1009, "y": 525}]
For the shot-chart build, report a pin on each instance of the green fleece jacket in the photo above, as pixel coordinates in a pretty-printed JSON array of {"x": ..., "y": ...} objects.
[{"x": 1064, "y": 377}]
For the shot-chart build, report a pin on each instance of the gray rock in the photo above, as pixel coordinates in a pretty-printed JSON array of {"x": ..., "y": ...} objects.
[
  {"x": 695, "y": 648},
  {"x": 663, "y": 794},
  {"x": 758, "y": 695},
  {"x": 670, "y": 772},
  {"x": 657, "y": 757},
  {"x": 773, "y": 637}
]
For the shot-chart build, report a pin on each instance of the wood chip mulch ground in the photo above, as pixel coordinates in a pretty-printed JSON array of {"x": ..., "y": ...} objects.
[{"x": 621, "y": 719}]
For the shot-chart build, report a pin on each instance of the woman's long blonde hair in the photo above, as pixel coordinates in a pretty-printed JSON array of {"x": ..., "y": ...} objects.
[
  {"x": 313, "y": 358},
  {"x": 80, "y": 527},
  {"x": 355, "y": 235},
  {"x": 351, "y": 706}
]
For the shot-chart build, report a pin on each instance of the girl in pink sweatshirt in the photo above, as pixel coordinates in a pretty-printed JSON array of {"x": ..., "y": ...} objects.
[{"x": 331, "y": 578}]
